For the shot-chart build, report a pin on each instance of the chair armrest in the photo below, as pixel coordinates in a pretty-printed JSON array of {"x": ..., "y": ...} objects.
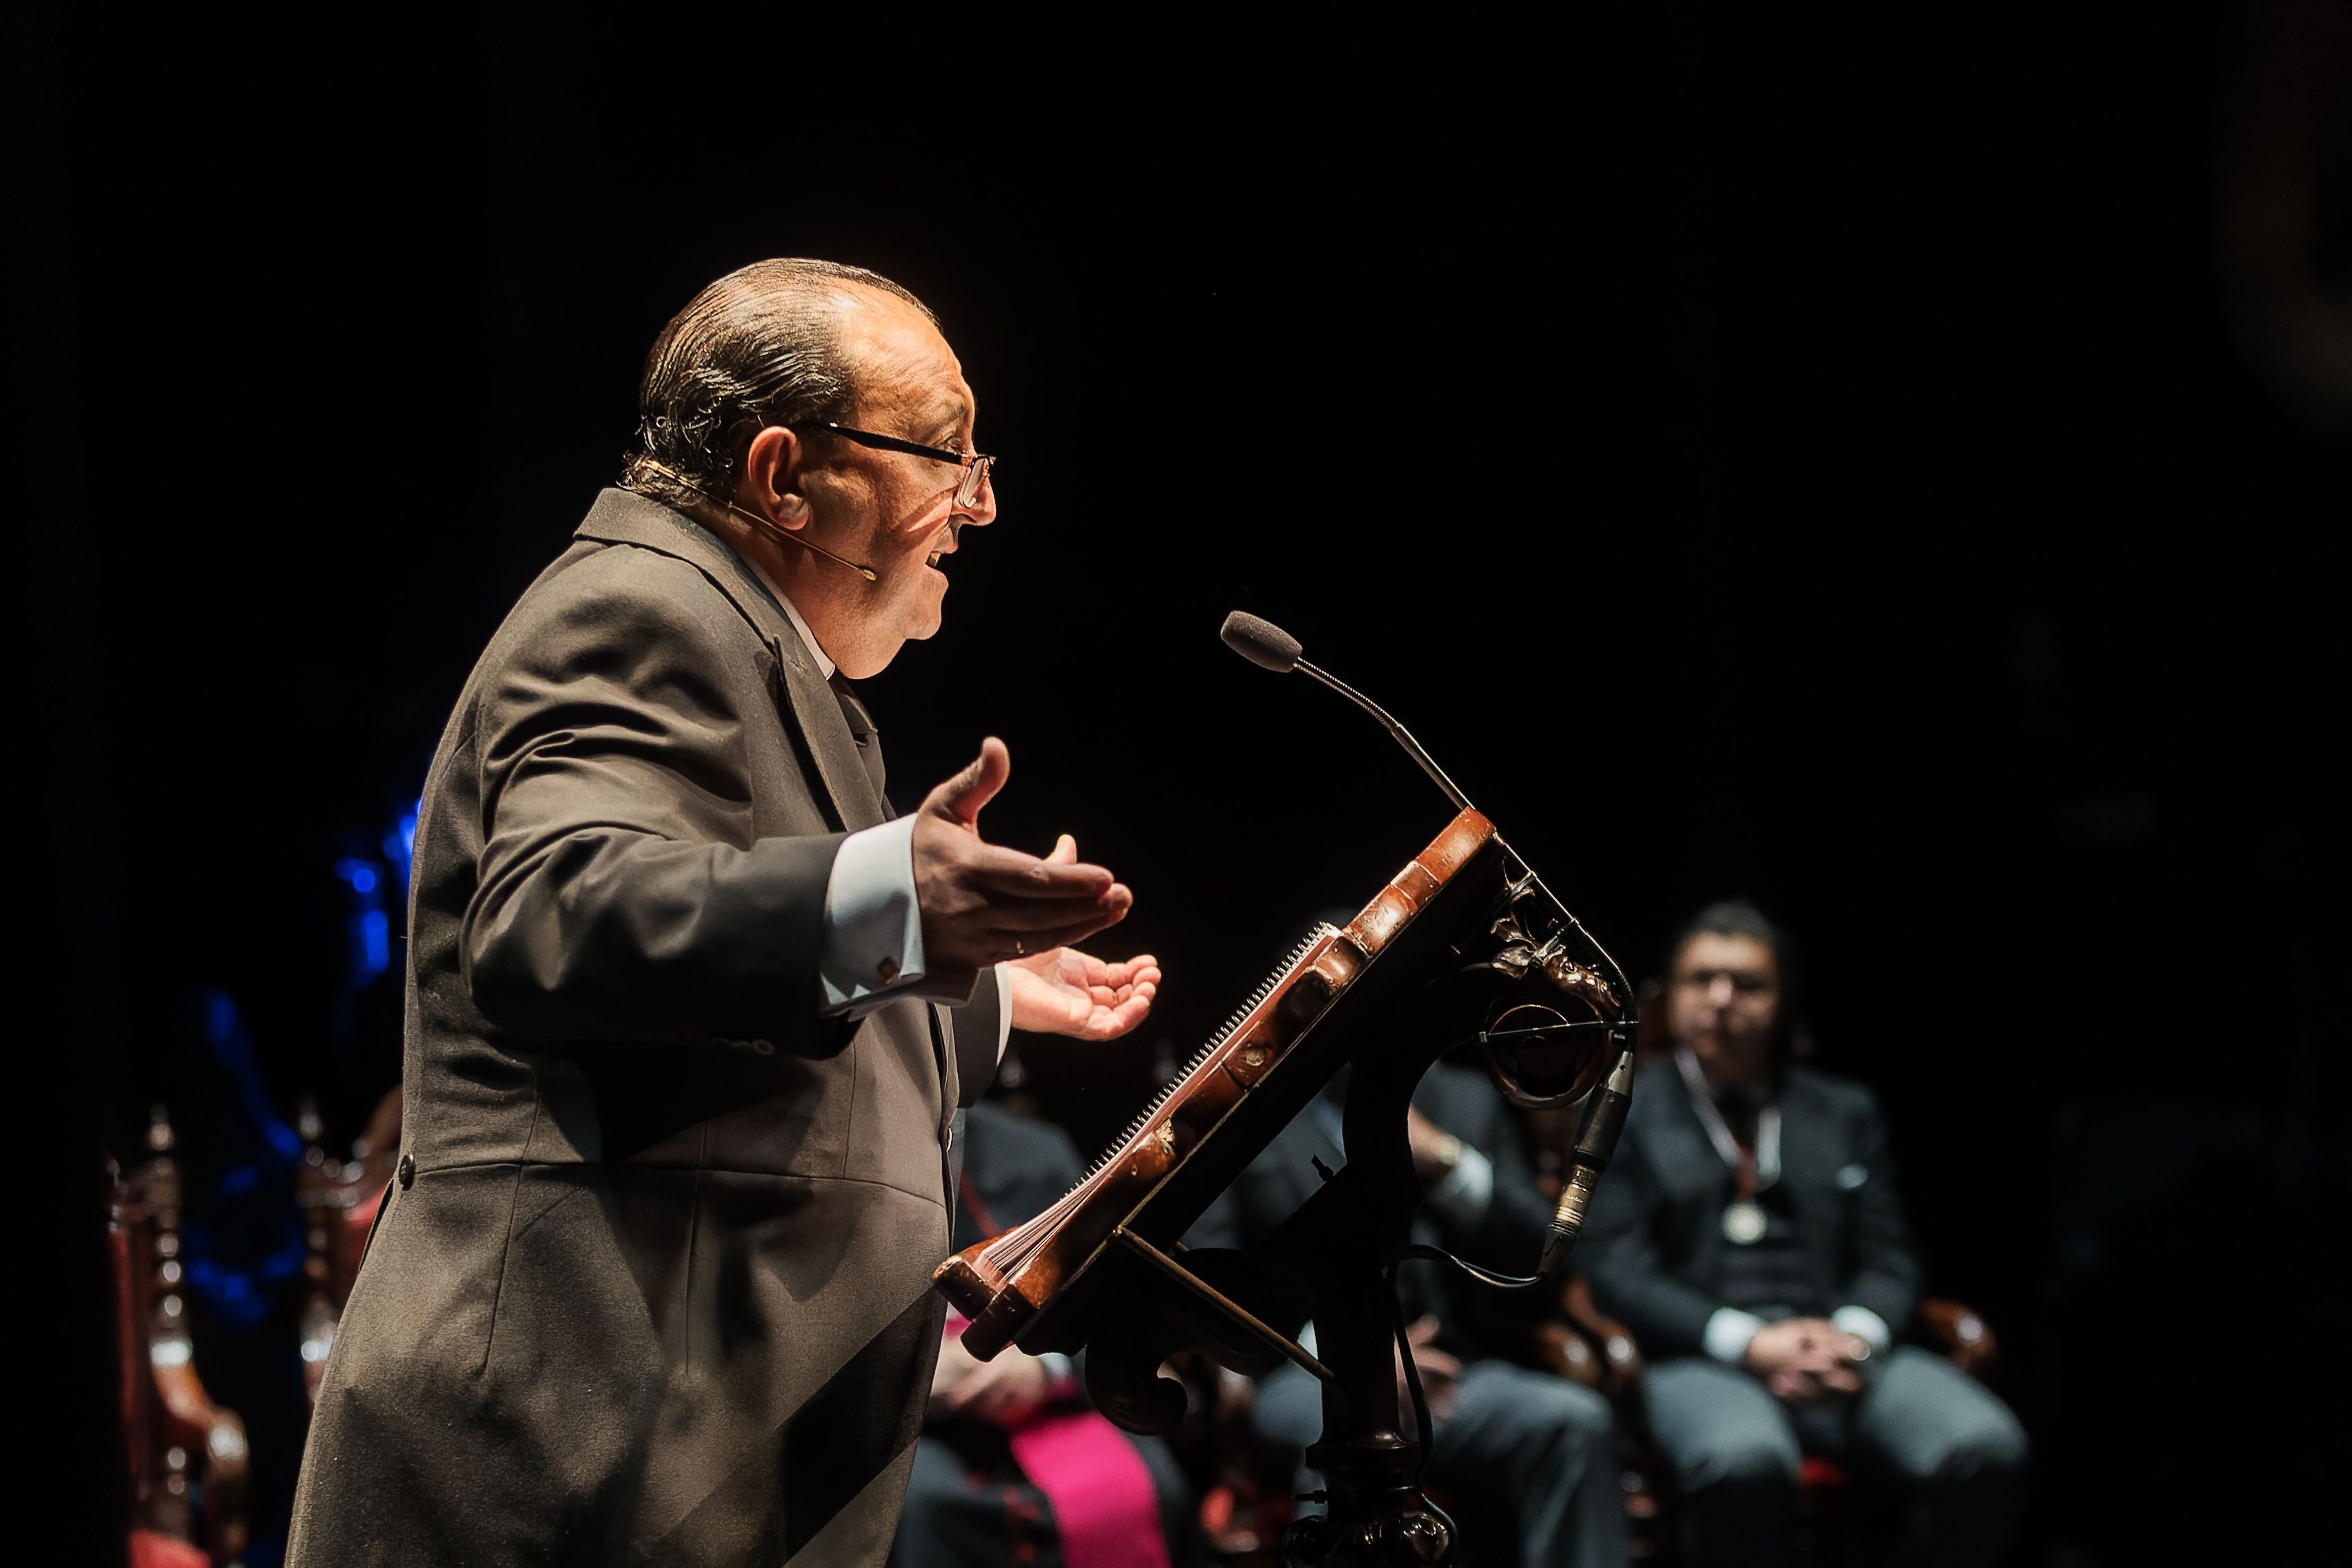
[
  {"x": 1957, "y": 1331},
  {"x": 1564, "y": 1353},
  {"x": 211, "y": 1439}
]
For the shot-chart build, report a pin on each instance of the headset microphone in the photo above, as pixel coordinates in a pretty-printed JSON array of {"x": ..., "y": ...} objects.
[{"x": 761, "y": 523}]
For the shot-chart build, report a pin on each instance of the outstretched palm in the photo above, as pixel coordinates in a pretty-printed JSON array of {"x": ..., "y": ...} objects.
[{"x": 1065, "y": 992}]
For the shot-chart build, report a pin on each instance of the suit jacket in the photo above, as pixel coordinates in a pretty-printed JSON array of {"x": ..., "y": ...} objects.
[
  {"x": 1654, "y": 1247},
  {"x": 652, "y": 1282},
  {"x": 1473, "y": 1321}
]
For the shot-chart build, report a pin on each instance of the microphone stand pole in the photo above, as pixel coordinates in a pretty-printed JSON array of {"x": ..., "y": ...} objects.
[{"x": 1343, "y": 1244}]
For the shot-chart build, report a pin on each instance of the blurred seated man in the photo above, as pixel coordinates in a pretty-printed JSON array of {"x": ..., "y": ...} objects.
[
  {"x": 1013, "y": 1466},
  {"x": 1749, "y": 1235},
  {"x": 1520, "y": 1444}
]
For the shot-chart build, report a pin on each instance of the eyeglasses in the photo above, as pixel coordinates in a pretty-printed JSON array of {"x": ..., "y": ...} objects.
[
  {"x": 1745, "y": 983},
  {"x": 975, "y": 465}
]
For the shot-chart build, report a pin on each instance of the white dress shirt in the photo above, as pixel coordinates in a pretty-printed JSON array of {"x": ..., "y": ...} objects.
[{"x": 872, "y": 951}]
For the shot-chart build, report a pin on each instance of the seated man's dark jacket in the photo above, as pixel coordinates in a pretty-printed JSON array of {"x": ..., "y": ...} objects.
[
  {"x": 1654, "y": 1247},
  {"x": 1014, "y": 1169},
  {"x": 1473, "y": 1321},
  {"x": 654, "y": 1283}
]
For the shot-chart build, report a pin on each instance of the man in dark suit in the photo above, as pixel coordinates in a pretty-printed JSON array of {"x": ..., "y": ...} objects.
[
  {"x": 1013, "y": 1466},
  {"x": 1749, "y": 1234},
  {"x": 689, "y": 1011},
  {"x": 1520, "y": 1445}
]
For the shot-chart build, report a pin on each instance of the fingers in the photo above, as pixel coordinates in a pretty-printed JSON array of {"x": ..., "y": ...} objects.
[
  {"x": 1019, "y": 875},
  {"x": 961, "y": 798},
  {"x": 1034, "y": 939},
  {"x": 1093, "y": 972},
  {"x": 1118, "y": 996},
  {"x": 1032, "y": 918},
  {"x": 1065, "y": 851},
  {"x": 1110, "y": 1024}
]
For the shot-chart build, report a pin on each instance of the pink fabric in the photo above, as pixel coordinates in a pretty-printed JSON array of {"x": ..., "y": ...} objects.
[
  {"x": 1100, "y": 1491},
  {"x": 1103, "y": 1506}
]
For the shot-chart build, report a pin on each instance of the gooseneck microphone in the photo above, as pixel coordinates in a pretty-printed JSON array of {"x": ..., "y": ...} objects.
[{"x": 1268, "y": 646}]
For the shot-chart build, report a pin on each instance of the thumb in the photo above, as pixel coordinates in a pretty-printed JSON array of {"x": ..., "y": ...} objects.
[
  {"x": 1065, "y": 852},
  {"x": 961, "y": 796}
]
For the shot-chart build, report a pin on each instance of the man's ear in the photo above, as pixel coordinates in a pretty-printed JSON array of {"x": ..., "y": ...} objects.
[{"x": 770, "y": 481}]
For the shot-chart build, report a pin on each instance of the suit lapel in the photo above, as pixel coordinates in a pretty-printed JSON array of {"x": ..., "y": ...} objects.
[
  {"x": 620, "y": 517},
  {"x": 812, "y": 702}
]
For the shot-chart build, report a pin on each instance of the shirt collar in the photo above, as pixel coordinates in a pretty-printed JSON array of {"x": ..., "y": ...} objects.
[{"x": 792, "y": 612}]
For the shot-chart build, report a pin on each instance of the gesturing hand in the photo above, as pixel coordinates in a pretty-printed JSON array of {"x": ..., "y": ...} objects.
[
  {"x": 1065, "y": 992},
  {"x": 982, "y": 902}
]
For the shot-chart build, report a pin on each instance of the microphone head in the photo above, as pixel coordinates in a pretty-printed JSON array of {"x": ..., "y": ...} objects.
[{"x": 1261, "y": 642}]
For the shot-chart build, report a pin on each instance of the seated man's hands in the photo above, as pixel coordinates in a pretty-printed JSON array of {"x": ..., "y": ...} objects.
[
  {"x": 954, "y": 1366},
  {"x": 1006, "y": 1391},
  {"x": 1804, "y": 1361},
  {"x": 982, "y": 904}
]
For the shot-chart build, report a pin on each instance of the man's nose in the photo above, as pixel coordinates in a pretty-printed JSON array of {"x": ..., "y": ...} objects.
[
  {"x": 1719, "y": 994},
  {"x": 983, "y": 511}
]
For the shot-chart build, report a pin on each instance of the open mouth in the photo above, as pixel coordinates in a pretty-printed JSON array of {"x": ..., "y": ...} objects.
[{"x": 947, "y": 543}]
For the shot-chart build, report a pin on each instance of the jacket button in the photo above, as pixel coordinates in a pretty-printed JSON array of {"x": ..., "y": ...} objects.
[{"x": 407, "y": 1172}]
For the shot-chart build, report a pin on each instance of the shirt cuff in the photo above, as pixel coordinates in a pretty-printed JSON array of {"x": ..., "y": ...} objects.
[
  {"x": 1863, "y": 1324},
  {"x": 1004, "y": 1007},
  {"x": 1727, "y": 1334},
  {"x": 1467, "y": 1188},
  {"x": 873, "y": 944}
]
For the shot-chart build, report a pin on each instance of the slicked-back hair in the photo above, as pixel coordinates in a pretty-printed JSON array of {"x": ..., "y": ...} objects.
[{"x": 760, "y": 346}]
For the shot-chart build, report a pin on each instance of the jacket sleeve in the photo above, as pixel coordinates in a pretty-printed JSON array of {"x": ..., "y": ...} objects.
[
  {"x": 620, "y": 891},
  {"x": 1886, "y": 1266},
  {"x": 1518, "y": 1221},
  {"x": 1619, "y": 1255},
  {"x": 979, "y": 1023}
]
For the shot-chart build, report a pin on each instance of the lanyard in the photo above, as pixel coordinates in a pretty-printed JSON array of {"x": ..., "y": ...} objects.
[{"x": 1756, "y": 1172}]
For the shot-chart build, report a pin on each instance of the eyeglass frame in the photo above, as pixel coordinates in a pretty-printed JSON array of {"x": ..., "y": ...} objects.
[{"x": 975, "y": 465}]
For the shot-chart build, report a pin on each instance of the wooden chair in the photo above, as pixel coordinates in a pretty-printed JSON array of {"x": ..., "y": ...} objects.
[
  {"x": 340, "y": 1200},
  {"x": 1588, "y": 1347},
  {"x": 186, "y": 1456}
]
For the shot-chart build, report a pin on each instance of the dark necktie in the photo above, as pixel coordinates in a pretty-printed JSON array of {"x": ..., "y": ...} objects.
[
  {"x": 862, "y": 730},
  {"x": 1741, "y": 1113}
]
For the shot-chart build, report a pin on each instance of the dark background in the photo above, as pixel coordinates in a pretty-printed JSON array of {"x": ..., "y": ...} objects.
[{"x": 1894, "y": 473}]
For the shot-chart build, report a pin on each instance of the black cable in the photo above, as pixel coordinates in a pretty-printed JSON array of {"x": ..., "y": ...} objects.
[
  {"x": 1411, "y": 1375},
  {"x": 1479, "y": 1272}
]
